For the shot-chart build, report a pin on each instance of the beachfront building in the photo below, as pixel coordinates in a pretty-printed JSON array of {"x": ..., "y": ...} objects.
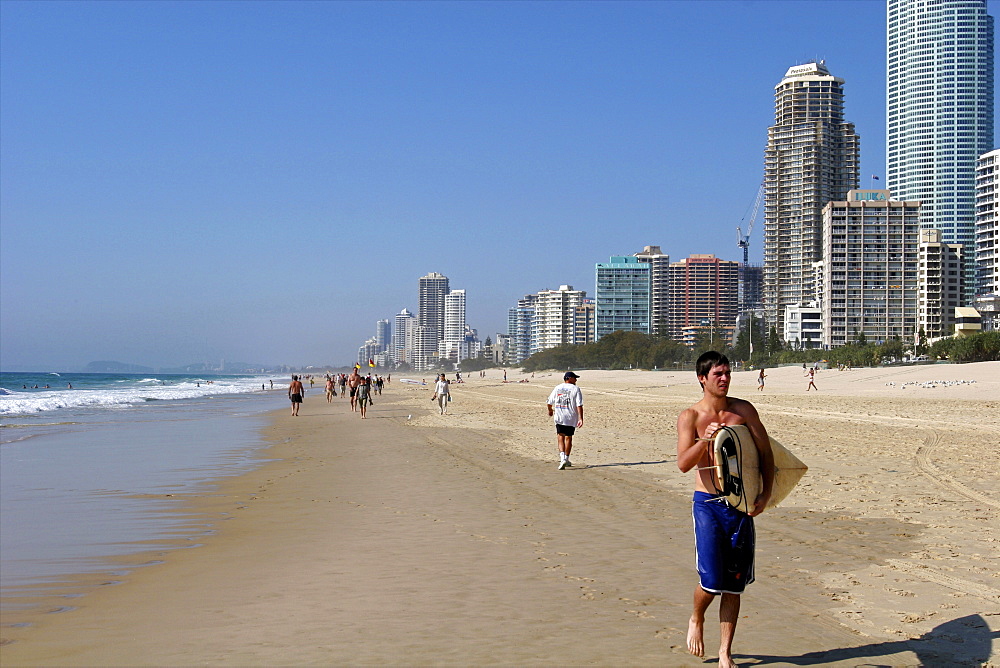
[
  {"x": 432, "y": 290},
  {"x": 812, "y": 157},
  {"x": 804, "y": 325},
  {"x": 967, "y": 321},
  {"x": 988, "y": 307},
  {"x": 555, "y": 318},
  {"x": 584, "y": 322},
  {"x": 940, "y": 113},
  {"x": 870, "y": 268},
  {"x": 622, "y": 297},
  {"x": 498, "y": 351},
  {"x": 545, "y": 319},
  {"x": 383, "y": 335},
  {"x": 520, "y": 328},
  {"x": 704, "y": 294},
  {"x": 402, "y": 336},
  {"x": 988, "y": 223},
  {"x": 453, "y": 345},
  {"x": 367, "y": 353},
  {"x": 424, "y": 354},
  {"x": 939, "y": 293},
  {"x": 659, "y": 286},
  {"x": 751, "y": 287}
]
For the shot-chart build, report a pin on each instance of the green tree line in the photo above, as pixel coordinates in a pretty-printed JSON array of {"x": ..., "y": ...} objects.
[{"x": 635, "y": 350}]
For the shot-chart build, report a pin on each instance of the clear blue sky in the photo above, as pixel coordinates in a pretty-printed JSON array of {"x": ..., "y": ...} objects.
[{"x": 254, "y": 181}]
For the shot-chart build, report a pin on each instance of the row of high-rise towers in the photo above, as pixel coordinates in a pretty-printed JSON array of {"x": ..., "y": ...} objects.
[
  {"x": 438, "y": 331},
  {"x": 939, "y": 120}
]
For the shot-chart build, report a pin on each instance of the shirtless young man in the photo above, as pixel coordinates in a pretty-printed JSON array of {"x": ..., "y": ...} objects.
[
  {"x": 295, "y": 392},
  {"x": 724, "y": 537},
  {"x": 352, "y": 383}
]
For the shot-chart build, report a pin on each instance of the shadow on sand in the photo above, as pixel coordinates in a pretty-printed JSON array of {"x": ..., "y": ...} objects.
[
  {"x": 600, "y": 466},
  {"x": 966, "y": 641}
]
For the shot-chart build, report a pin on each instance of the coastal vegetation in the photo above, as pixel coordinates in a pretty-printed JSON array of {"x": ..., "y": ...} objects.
[{"x": 635, "y": 350}]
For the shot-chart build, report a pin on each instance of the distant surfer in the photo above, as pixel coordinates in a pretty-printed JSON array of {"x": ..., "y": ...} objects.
[
  {"x": 295, "y": 392},
  {"x": 724, "y": 537}
]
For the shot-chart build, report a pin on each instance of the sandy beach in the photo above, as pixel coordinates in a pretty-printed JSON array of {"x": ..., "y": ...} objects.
[{"x": 412, "y": 538}]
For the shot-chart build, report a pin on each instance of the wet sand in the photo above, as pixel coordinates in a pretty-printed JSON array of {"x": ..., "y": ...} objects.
[{"x": 412, "y": 538}]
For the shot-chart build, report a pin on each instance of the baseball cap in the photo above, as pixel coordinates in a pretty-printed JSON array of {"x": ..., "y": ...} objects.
[{"x": 569, "y": 374}]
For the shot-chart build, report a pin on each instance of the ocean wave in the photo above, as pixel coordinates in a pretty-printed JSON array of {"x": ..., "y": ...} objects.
[{"x": 123, "y": 395}]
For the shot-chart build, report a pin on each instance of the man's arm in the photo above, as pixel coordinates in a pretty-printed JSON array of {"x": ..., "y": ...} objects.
[
  {"x": 689, "y": 449},
  {"x": 579, "y": 409}
]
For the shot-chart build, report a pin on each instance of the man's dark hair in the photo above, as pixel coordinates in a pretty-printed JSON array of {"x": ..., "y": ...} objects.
[{"x": 708, "y": 361}]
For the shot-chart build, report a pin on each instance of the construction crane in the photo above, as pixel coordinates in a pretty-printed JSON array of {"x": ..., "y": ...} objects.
[{"x": 743, "y": 240}]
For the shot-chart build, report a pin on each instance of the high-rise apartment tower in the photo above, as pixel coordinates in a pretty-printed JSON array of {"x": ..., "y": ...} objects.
[
  {"x": 704, "y": 293},
  {"x": 430, "y": 319},
  {"x": 659, "y": 265},
  {"x": 988, "y": 223},
  {"x": 812, "y": 158},
  {"x": 939, "y": 116}
]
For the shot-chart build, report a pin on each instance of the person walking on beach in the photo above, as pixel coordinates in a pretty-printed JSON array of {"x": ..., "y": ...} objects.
[
  {"x": 812, "y": 378},
  {"x": 760, "y": 380},
  {"x": 330, "y": 391},
  {"x": 295, "y": 392},
  {"x": 364, "y": 397},
  {"x": 442, "y": 393},
  {"x": 565, "y": 405},
  {"x": 343, "y": 385},
  {"x": 353, "y": 381},
  {"x": 724, "y": 536}
]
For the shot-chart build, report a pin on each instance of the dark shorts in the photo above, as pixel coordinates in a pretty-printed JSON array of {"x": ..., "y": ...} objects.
[
  {"x": 565, "y": 429},
  {"x": 296, "y": 398},
  {"x": 354, "y": 391},
  {"x": 724, "y": 542}
]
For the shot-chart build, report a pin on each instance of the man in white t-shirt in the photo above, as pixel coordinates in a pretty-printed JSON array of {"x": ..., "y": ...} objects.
[{"x": 565, "y": 404}]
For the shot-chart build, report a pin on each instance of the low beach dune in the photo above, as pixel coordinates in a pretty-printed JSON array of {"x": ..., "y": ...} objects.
[{"x": 412, "y": 538}]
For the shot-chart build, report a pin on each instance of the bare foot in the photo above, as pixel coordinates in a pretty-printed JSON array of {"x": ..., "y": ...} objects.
[
  {"x": 726, "y": 661},
  {"x": 696, "y": 643}
]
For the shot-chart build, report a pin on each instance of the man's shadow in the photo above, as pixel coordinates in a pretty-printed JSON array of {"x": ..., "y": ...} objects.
[{"x": 966, "y": 641}]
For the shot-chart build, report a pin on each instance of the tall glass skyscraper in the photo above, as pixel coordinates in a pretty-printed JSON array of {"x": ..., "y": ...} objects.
[
  {"x": 940, "y": 112},
  {"x": 812, "y": 157},
  {"x": 622, "y": 297}
]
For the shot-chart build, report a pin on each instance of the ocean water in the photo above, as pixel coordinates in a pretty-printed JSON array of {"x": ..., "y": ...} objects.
[{"x": 87, "y": 464}]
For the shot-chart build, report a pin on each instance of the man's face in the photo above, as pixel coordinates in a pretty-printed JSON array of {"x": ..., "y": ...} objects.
[{"x": 717, "y": 380}]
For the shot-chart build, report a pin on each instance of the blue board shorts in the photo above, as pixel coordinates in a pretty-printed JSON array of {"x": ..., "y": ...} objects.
[{"x": 724, "y": 541}]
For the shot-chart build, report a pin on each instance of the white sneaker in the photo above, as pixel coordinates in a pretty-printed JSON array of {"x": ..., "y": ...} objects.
[{"x": 563, "y": 463}]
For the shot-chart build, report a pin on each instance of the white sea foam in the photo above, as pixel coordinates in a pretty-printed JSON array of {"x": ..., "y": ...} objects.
[{"x": 14, "y": 402}]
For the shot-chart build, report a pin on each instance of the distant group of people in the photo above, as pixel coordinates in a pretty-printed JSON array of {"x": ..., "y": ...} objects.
[
  {"x": 361, "y": 389},
  {"x": 809, "y": 372}
]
